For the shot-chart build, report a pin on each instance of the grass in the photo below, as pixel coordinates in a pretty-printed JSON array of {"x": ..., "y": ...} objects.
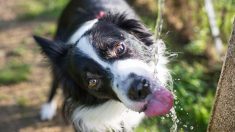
[
  {"x": 16, "y": 52},
  {"x": 45, "y": 29},
  {"x": 14, "y": 72},
  {"x": 22, "y": 101},
  {"x": 3, "y": 97},
  {"x": 44, "y": 9}
]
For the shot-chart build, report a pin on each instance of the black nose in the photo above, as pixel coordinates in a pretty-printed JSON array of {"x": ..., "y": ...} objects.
[{"x": 139, "y": 89}]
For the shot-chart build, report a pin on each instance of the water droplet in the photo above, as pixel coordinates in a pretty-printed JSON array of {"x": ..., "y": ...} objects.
[
  {"x": 163, "y": 118},
  {"x": 185, "y": 126},
  {"x": 181, "y": 109},
  {"x": 177, "y": 121},
  {"x": 191, "y": 127}
]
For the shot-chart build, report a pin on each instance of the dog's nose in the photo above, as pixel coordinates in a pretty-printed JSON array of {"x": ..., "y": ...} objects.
[{"x": 139, "y": 89}]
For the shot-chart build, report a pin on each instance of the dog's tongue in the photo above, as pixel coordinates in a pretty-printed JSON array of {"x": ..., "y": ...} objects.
[{"x": 160, "y": 103}]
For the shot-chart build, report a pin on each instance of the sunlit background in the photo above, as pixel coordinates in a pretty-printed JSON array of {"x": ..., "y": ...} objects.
[{"x": 25, "y": 76}]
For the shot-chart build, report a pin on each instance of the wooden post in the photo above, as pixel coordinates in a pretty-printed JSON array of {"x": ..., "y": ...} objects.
[{"x": 223, "y": 113}]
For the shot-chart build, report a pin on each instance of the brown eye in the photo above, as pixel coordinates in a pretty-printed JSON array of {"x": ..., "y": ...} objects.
[
  {"x": 92, "y": 83},
  {"x": 120, "y": 49}
]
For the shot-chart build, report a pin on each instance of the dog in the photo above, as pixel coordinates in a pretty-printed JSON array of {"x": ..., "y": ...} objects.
[{"x": 98, "y": 58}]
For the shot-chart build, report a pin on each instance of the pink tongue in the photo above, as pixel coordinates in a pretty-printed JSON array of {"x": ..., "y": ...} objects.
[{"x": 160, "y": 103}]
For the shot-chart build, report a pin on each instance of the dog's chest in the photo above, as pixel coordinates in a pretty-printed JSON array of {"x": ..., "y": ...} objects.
[{"x": 110, "y": 116}]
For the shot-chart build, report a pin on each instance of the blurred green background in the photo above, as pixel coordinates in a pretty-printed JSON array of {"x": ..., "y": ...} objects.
[{"x": 186, "y": 32}]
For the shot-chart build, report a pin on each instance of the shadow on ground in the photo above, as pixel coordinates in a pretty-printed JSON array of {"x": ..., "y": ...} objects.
[{"x": 18, "y": 118}]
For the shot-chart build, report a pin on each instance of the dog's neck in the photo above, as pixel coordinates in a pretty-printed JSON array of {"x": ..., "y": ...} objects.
[{"x": 109, "y": 116}]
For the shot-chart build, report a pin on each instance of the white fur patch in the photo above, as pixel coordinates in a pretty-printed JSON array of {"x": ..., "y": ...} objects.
[
  {"x": 107, "y": 116},
  {"x": 86, "y": 47},
  {"x": 84, "y": 44},
  {"x": 85, "y": 27},
  {"x": 48, "y": 110}
]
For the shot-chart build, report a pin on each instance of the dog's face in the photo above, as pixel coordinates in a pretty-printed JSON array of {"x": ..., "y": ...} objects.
[{"x": 106, "y": 61}]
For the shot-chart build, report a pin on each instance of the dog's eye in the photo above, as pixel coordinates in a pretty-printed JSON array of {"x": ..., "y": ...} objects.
[
  {"x": 92, "y": 83},
  {"x": 120, "y": 49}
]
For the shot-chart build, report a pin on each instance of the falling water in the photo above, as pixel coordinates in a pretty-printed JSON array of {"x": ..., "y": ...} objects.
[
  {"x": 156, "y": 54},
  {"x": 174, "y": 120}
]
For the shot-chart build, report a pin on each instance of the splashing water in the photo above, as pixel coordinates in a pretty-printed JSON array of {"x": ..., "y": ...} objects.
[
  {"x": 155, "y": 56},
  {"x": 156, "y": 53}
]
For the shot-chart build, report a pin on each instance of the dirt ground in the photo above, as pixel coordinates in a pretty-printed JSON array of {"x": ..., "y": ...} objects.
[{"x": 20, "y": 103}]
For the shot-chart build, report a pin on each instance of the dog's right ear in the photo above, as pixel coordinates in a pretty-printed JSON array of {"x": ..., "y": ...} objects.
[{"x": 53, "y": 50}]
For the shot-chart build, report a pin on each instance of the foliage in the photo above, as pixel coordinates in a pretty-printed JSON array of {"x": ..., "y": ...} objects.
[
  {"x": 195, "y": 70},
  {"x": 194, "y": 95},
  {"x": 42, "y": 8},
  {"x": 14, "y": 72},
  {"x": 45, "y": 29}
]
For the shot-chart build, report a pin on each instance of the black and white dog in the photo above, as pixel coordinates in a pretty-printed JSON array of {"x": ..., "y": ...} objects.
[{"x": 99, "y": 59}]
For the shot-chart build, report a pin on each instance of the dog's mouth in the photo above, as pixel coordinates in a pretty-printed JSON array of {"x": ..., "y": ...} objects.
[
  {"x": 152, "y": 99},
  {"x": 158, "y": 103}
]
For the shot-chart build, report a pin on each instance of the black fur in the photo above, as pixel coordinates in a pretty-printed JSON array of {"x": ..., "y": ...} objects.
[
  {"x": 132, "y": 26},
  {"x": 68, "y": 64},
  {"x": 79, "y": 11},
  {"x": 53, "y": 50}
]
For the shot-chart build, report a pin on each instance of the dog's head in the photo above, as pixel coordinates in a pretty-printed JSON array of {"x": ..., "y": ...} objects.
[{"x": 105, "y": 60}]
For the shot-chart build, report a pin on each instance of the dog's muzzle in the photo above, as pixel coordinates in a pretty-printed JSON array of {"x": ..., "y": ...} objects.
[
  {"x": 139, "y": 90},
  {"x": 158, "y": 99}
]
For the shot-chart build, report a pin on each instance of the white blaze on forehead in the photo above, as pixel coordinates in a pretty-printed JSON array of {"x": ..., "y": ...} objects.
[
  {"x": 83, "y": 29},
  {"x": 85, "y": 46}
]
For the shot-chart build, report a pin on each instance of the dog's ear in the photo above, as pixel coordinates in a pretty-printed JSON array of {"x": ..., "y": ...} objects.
[
  {"x": 136, "y": 28},
  {"x": 53, "y": 50},
  {"x": 133, "y": 26}
]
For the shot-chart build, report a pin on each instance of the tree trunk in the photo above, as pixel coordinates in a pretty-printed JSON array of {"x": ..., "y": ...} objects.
[{"x": 223, "y": 113}]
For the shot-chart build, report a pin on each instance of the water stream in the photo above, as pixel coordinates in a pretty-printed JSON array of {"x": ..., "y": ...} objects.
[{"x": 155, "y": 56}]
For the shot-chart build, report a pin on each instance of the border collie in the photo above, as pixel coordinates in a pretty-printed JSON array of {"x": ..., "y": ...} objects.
[{"x": 98, "y": 56}]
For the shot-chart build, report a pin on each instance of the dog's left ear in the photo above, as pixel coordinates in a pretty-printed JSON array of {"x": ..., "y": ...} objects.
[{"x": 53, "y": 50}]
